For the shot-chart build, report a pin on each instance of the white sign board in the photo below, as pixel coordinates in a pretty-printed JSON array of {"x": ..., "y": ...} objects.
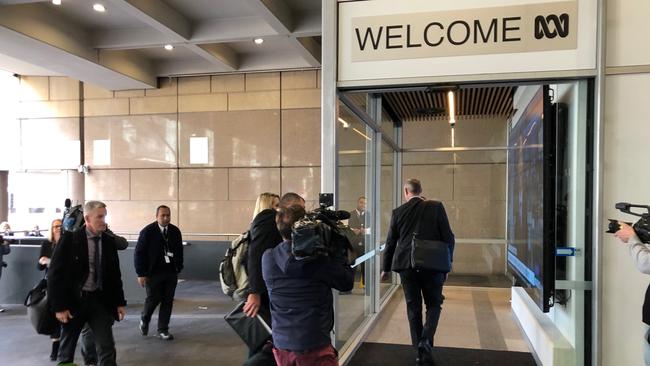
[{"x": 385, "y": 39}]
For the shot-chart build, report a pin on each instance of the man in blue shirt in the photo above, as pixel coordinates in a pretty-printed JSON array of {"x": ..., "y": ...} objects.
[{"x": 300, "y": 290}]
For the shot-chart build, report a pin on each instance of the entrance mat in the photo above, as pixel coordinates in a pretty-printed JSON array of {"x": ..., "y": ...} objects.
[{"x": 377, "y": 354}]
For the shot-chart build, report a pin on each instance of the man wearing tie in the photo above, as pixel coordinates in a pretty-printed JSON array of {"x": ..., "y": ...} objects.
[
  {"x": 158, "y": 260},
  {"x": 85, "y": 286},
  {"x": 357, "y": 223}
]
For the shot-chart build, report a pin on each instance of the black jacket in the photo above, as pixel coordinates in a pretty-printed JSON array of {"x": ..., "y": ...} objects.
[
  {"x": 69, "y": 270},
  {"x": 149, "y": 251},
  {"x": 264, "y": 235},
  {"x": 434, "y": 226},
  {"x": 46, "y": 251}
]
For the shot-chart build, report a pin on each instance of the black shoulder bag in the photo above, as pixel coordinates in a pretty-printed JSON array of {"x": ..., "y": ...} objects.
[
  {"x": 39, "y": 313},
  {"x": 429, "y": 254}
]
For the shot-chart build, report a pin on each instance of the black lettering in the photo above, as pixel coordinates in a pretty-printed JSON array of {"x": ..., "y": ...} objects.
[
  {"x": 373, "y": 40},
  {"x": 479, "y": 30},
  {"x": 507, "y": 29},
  {"x": 426, "y": 34},
  {"x": 408, "y": 38},
  {"x": 449, "y": 30},
  {"x": 390, "y": 36}
]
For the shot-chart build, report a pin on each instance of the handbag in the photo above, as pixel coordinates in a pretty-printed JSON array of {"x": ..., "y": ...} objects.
[
  {"x": 255, "y": 332},
  {"x": 426, "y": 254},
  {"x": 38, "y": 309}
]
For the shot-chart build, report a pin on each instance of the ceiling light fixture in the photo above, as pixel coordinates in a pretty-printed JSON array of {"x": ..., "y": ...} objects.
[
  {"x": 344, "y": 123},
  {"x": 56, "y": 2},
  {"x": 99, "y": 8},
  {"x": 169, "y": 47},
  {"x": 452, "y": 108},
  {"x": 259, "y": 41}
]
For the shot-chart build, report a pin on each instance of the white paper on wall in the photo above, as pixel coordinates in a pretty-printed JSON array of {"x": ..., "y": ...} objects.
[
  {"x": 198, "y": 150},
  {"x": 101, "y": 152}
]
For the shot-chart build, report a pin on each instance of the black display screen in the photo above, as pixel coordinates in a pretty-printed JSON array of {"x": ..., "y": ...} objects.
[{"x": 531, "y": 177}]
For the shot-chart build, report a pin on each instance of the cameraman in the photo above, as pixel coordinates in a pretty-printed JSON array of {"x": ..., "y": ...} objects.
[
  {"x": 300, "y": 290},
  {"x": 640, "y": 254}
]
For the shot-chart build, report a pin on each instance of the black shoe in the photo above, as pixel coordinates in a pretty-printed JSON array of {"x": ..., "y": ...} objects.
[
  {"x": 425, "y": 353},
  {"x": 144, "y": 327},
  {"x": 55, "y": 350},
  {"x": 165, "y": 336}
]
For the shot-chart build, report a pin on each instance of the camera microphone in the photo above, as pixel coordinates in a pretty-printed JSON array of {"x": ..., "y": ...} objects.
[{"x": 68, "y": 203}]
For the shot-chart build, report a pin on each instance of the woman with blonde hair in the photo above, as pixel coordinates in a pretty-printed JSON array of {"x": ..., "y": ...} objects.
[
  {"x": 263, "y": 235},
  {"x": 47, "y": 248}
]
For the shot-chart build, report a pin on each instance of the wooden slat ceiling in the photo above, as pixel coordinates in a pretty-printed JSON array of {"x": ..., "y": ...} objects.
[{"x": 471, "y": 103}]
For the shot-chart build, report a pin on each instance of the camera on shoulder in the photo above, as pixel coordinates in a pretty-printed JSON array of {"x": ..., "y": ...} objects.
[
  {"x": 641, "y": 227},
  {"x": 322, "y": 233}
]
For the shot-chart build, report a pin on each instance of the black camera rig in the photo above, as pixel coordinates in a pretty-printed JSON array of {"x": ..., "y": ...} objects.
[
  {"x": 641, "y": 227},
  {"x": 321, "y": 232}
]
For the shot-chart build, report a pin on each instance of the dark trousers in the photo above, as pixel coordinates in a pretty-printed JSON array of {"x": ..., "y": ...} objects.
[
  {"x": 88, "y": 350},
  {"x": 419, "y": 284},
  {"x": 100, "y": 320},
  {"x": 160, "y": 291}
]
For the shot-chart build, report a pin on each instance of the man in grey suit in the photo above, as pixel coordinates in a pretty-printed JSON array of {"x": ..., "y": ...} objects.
[{"x": 357, "y": 223}]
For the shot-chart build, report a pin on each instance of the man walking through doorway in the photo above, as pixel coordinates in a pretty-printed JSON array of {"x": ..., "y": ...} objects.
[{"x": 429, "y": 220}]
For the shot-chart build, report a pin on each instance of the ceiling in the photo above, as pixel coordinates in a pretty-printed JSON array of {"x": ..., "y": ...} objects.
[
  {"x": 432, "y": 105},
  {"x": 122, "y": 48}
]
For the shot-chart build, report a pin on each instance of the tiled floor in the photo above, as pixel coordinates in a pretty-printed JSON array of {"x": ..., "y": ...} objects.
[{"x": 472, "y": 317}]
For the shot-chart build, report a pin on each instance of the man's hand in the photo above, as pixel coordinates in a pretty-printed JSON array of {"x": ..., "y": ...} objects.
[
  {"x": 142, "y": 281},
  {"x": 385, "y": 276},
  {"x": 64, "y": 316},
  {"x": 252, "y": 305},
  {"x": 121, "y": 313},
  {"x": 625, "y": 233}
]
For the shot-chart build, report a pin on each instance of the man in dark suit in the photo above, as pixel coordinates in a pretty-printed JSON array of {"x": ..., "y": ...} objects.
[
  {"x": 357, "y": 223},
  {"x": 430, "y": 219},
  {"x": 85, "y": 286},
  {"x": 158, "y": 260}
]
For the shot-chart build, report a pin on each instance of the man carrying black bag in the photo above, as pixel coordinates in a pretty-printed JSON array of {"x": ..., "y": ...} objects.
[{"x": 420, "y": 247}]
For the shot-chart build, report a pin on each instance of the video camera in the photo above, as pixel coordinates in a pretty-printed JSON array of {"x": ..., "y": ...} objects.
[
  {"x": 641, "y": 227},
  {"x": 321, "y": 232}
]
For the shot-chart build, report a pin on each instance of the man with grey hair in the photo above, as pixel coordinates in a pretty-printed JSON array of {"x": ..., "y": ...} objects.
[
  {"x": 425, "y": 220},
  {"x": 85, "y": 286}
]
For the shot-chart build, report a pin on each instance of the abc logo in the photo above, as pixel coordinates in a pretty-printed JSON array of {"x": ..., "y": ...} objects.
[{"x": 551, "y": 26}]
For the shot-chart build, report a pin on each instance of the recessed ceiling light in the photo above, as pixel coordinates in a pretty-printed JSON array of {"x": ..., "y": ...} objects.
[
  {"x": 56, "y": 2},
  {"x": 169, "y": 47},
  {"x": 259, "y": 41},
  {"x": 99, "y": 7}
]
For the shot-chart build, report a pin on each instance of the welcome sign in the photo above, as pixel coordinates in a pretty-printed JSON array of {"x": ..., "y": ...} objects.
[
  {"x": 511, "y": 29},
  {"x": 391, "y": 40}
]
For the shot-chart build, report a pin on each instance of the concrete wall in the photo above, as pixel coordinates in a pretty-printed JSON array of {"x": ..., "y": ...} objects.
[
  {"x": 262, "y": 133},
  {"x": 627, "y": 131}
]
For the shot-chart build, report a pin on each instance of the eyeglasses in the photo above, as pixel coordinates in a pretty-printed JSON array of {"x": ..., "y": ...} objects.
[{"x": 56, "y": 226}]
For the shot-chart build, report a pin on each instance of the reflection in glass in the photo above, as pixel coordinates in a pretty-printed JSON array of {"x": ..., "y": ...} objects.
[{"x": 354, "y": 147}]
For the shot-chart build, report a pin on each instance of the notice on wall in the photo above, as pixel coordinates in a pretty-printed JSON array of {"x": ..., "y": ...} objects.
[
  {"x": 199, "y": 150},
  {"x": 101, "y": 152}
]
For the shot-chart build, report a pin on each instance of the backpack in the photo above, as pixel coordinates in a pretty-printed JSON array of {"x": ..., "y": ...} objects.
[
  {"x": 73, "y": 218},
  {"x": 233, "y": 273}
]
